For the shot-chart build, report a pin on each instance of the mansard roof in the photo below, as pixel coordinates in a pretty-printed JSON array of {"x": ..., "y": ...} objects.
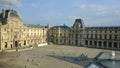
[
  {"x": 78, "y": 20},
  {"x": 108, "y": 27},
  {"x": 34, "y": 26},
  {"x": 63, "y": 26},
  {"x": 78, "y": 23},
  {"x": 9, "y": 14}
]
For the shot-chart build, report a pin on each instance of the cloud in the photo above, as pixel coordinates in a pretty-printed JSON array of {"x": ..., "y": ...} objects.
[
  {"x": 109, "y": 12},
  {"x": 10, "y": 3},
  {"x": 83, "y": 6},
  {"x": 33, "y": 5},
  {"x": 74, "y": 17},
  {"x": 92, "y": 6},
  {"x": 100, "y": 9}
]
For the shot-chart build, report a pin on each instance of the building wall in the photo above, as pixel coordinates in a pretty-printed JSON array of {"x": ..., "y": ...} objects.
[
  {"x": 79, "y": 35},
  {"x": 13, "y": 32},
  {"x": 103, "y": 38}
]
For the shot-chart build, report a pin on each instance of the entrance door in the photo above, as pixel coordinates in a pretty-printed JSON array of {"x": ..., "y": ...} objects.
[
  {"x": 76, "y": 42},
  {"x": 11, "y": 45},
  {"x": 16, "y": 44}
]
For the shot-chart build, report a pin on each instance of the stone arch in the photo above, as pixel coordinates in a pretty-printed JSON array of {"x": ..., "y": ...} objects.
[
  {"x": 11, "y": 46},
  {"x": 16, "y": 43},
  {"x": 24, "y": 42},
  {"x": 6, "y": 45}
]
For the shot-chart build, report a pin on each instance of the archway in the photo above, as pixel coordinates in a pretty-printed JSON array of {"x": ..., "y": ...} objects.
[
  {"x": 16, "y": 43},
  {"x": 24, "y": 42},
  {"x": 69, "y": 42},
  {"x": 11, "y": 45},
  {"x": 5, "y": 44}
]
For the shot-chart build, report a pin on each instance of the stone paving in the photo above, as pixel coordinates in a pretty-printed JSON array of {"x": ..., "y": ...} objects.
[{"x": 51, "y": 56}]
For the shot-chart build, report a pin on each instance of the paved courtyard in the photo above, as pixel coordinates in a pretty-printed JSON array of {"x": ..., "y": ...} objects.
[{"x": 51, "y": 56}]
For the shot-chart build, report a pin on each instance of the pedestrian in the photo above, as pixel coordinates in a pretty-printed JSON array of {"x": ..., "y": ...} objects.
[
  {"x": 17, "y": 55},
  {"x": 27, "y": 60},
  {"x": 1, "y": 65},
  {"x": 25, "y": 66},
  {"x": 32, "y": 59},
  {"x": 16, "y": 49},
  {"x": 38, "y": 63}
]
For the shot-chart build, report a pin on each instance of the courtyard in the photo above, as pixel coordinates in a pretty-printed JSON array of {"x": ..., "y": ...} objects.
[{"x": 50, "y": 56}]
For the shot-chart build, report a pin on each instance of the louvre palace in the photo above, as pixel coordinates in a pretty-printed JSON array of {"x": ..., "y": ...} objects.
[
  {"x": 14, "y": 33},
  {"x": 79, "y": 35}
]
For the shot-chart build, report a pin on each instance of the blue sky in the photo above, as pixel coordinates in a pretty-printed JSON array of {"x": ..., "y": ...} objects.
[{"x": 59, "y": 12}]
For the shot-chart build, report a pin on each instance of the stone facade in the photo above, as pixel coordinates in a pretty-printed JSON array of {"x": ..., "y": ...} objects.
[
  {"x": 103, "y": 37},
  {"x": 14, "y": 33},
  {"x": 79, "y": 35}
]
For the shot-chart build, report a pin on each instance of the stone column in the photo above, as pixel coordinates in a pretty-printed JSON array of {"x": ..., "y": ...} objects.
[
  {"x": 119, "y": 45},
  {"x": 102, "y": 44},
  {"x": 97, "y": 44},
  {"x": 88, "y": 43},
  {"x": 93, "y": 44}
]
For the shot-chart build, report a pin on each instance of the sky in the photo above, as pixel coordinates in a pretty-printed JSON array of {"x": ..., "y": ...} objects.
[{"x": 59, "y": 12}]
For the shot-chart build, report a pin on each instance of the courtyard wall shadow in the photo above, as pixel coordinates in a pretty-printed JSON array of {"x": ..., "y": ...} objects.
[{"x": 81, "y": 60}]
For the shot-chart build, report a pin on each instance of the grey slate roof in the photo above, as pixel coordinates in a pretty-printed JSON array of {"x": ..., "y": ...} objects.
[
  {"x": 63, "y": 26},
  {"x": 109, "y": 27},
  {"x": 34, "y": 26}
]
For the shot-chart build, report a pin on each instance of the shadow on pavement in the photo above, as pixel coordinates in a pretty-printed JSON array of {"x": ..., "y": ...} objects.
[{"x": 81, "y": 60}]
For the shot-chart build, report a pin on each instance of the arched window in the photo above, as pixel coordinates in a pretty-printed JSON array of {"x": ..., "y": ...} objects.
[
  {"x": 5, "y": 44},
  {"x": 24, "y": 42}
]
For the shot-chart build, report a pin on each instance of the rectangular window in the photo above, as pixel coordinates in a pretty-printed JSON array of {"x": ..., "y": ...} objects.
[
  {"x": 100, "y": 36},
  {"x": 104, "y": 44},
  {"x": 60, "y": 40},
  {"x": 76, "y": 35},
  {"x": 60, "y": 35},
  {"x": 110, "y": 36},
  {"x": 91, "y": 35},
  {"x": 87, "y": 36},
  {"x": 115, "y": 44},
  {"x": 96, "y": 36},
  {"x": 115, "y": 31},
  {"x": 115, "y": 36},
  {"x": 105, "y": 36},
  {"x": 86, "y": 42},
  {"x": 100, "y": 43},
  {"x": 95, "y": 43},
  {"x": 110, "y": 44},
  {"x": 90, "y": 42}
]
